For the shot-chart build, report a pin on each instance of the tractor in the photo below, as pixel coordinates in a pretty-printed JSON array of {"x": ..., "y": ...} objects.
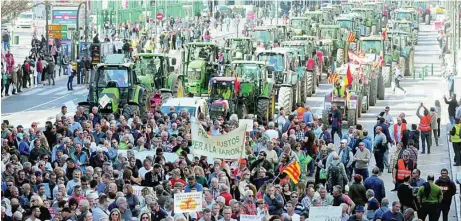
[
  {"x": 349, "y": 23},
  {"x": 290, "y": 76},
  {"x": 238, "y": 47},
  {"x": 156, "y": 74},
  {"x": 263, "y": 37},
  {"x": 402, "y": 51},
  {"x": 301, "y": 26},
  {"x": 115, "y": 89},
  {"x": 199, "y": 64},
  {"x": 328, "y": 15},
  {"x": 370, "y": 22},
  {"x": 407, "y": 26},
  {"x": 250, "y": 90},
  {"x": 357, "y": 96},
  {"x": 373, "y": 50},
  {"x": 315, "y": 16},
  {"x": 333, "y": 33},
  {"x": 306, "y": 51}
]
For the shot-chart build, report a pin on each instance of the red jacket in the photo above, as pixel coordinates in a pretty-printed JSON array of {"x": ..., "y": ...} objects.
[{"x": 227, "y": 196}]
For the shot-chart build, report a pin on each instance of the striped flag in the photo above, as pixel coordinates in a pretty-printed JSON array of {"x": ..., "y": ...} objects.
[
  {"x": 333, "y": 78},
  {"x": 348, "y": 79},
  {"x": 350, "y": 37},
  {"x": 293, "y": 170}
]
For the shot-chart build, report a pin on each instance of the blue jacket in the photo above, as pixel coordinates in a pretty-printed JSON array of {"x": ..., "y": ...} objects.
[
  {"x": 368, "y": 143},
  {"x": 307, "y": 117},
  {"x": 336, "y": 119},
  {"x": 275, "y": 205},
  {"x": 197, "y": 186},
  {"x": 377, "y": 185},
  {"x": 24, "y": 148}
]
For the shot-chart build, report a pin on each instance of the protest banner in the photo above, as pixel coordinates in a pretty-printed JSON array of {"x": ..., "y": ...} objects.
[
  {"x": 229, "y": 146},
  {"x": 244, "y": 217},
  {"x": 169, "y": 157},
  {"x": 325, "y": 213},
  {"x": 188, "y": 202}
]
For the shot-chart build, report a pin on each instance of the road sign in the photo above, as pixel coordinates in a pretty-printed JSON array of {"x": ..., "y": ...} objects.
[
  {"x": 59, "y": 35},
  {"x": 159, "y": 16},
  {"x": 57, "y": 27}
]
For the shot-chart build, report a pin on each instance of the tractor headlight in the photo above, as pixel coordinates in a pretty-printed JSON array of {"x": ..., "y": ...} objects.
[{"x": 109, "y": 106}]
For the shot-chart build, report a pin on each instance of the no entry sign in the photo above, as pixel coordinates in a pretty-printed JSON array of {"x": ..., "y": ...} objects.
[{"x": 159, "y": 16}]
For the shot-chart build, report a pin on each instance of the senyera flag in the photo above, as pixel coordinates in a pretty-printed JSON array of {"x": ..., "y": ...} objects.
[
  {"x": 348, "y": 79},
  {"x": 293, "y": 170}
]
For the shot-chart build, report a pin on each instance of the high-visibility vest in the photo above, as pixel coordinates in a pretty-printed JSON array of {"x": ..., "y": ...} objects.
[
  {"x": 425, "y": 123},
  {"x": 300, "y": 111},
  {"x": 402, "y": 170},
  {"x": 456, "y": 138}
]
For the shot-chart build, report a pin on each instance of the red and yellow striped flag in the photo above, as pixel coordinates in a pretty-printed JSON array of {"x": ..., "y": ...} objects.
[
  {"x": 350, "y": 37},
  {"x": 293, "y": 170}
]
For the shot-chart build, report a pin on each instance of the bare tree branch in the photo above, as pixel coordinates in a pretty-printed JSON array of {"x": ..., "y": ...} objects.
[{"x": 12, "y": 8}]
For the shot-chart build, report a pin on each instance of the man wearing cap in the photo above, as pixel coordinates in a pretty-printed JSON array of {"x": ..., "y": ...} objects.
[
  {"x": 359, "y": 214},
  {"x": 192, "y": 184}
]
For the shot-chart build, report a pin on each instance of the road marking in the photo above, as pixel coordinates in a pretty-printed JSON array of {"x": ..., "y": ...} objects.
[
  {"x": 67, "y": 91},
  {"x": 33, "y": 91},
  {"x": 53, "y": 90},
  {"x": 31, "y": 108},
  {"x": 81, "y": 92}
]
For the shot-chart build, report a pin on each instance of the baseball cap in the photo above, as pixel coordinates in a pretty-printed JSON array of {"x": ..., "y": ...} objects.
[{"x": 19, "y": 127}]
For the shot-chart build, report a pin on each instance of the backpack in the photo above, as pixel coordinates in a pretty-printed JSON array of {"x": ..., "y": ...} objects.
[{"x": 335, "y": 176}]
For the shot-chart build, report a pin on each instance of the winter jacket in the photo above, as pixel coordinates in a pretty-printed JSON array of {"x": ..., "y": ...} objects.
[
  {"x": 448, "y": 188},
  {"x": 377, "y": 185},
  {"x": 357, "y": 194},
  {"x": 275, "y": 205},
  {"x": 39, "y": 66}
]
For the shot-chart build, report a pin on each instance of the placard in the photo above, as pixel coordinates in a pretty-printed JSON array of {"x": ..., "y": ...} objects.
[
  {"x": 246, "y": 122},
  {"x": 188, "y": 202},
  {"x": 244, "y": 217},
  {"x": 325, "y": 213}
]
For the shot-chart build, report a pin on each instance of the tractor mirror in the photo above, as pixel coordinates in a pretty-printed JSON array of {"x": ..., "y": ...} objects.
[{"x": 173, "y": 61}]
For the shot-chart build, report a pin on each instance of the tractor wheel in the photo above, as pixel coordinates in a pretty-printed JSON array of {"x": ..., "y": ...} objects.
[
  {"x": 178, "y": 89},
  {"x": 127, "y": 111},
  {"x": 351, "y": 117},
  {"x": 373, "y": 30},
  {"x": 393, "y": 70},
  {"x": 165, "y": 96},
  {"x": 263, "y": 109},
  {"x": 302, "y": 87},
  {"x": 364, "y": 105},
  {"x": 387, "y": 75},
  {"x": 285, "y": 98},
  {"x": 411, "y": 62},
  {"x": 368, "y": 31},
  {"x": 314, "y": 82},
  {"x": 339, "y": 57},
  {"x": 402, "y": 65},
  {"x": 373, "y": 92},
  {"x": 325, "y": 116},
  {"x": 309, "y": 84},
  {"x": 381, "y": 88}
]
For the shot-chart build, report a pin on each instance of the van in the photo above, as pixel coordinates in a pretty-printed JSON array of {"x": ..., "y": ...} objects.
[{"x": 193, "y": 105}]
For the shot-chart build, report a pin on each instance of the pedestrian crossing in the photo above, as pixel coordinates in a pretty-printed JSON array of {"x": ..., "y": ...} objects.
[{"x": 55, "y": 91}]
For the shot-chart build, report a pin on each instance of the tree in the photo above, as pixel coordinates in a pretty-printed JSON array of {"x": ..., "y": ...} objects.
[{"x": 12, "y": 8}]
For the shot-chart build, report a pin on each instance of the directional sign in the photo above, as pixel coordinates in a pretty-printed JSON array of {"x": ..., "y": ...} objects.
[
  {"x": 159, "y": 16},
  {"x": 57, "y": 27},
  {"x": 59, "y": 35}
]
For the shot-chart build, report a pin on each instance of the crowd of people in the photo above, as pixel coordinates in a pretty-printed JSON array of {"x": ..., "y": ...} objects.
[{"x": 83, "y": 166}]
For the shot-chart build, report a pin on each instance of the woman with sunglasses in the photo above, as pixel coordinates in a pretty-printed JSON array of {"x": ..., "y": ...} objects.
[
  {"x": 145, "y": 217},
  {"x": 115, "y": 215}
]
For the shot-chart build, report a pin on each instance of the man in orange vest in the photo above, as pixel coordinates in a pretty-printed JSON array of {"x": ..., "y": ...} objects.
[
  {"x": 403, "y": 168},
  {"x": 425, "y": 128},
  {"x": 399, "y": 130},
  {"x": 300, "y": 111}
]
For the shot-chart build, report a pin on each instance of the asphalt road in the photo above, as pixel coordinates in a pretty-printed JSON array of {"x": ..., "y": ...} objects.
[{"x": 426, "y": 91}]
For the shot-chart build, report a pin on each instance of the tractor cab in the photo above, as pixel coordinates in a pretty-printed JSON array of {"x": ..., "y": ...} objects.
[
  {"x": 281, "y": 32},
  {"x": 301, "y": 26},
  {"x": 238, "y": 47},
  {"x": 349, "y": 23},
  {"x": 223, "y": 93},
  {"x": 371, "y": 45},
  {"x": 264, "y": 37},
  {"x": 315, "y": 16},
  {"x": 199, "y": 65}
]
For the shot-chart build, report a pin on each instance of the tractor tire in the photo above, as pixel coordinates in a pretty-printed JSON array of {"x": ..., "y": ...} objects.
[
  {"x": 127, "y": 111},
  {"x": 364, "y": 108},
  {"x": 393, "y": 70},
  {"x": 285, "y": 98},
  {"x": 339, "y": 57},
  {"x": 315, "y": 82},
  {"x": 381, "y": 88},
  {"x": 325, "y": 116},
  {"x": 144, "y": 106},
  {"x": 411, "y": 62},
  {"x": 309, "y": 84},
  {"x": 373, "y": 30},
  {"x": 387, "y": 76},
  {"x": 303, "y": 87},
  {"x": 402, "y": 66},
  {"x": 166, "y": 96},
  {"x": 351, "y": 117},
  {"x": 263, "y": 108},
  {"x": 373, "y": 92},
  {"x": 367, "y": 31}
]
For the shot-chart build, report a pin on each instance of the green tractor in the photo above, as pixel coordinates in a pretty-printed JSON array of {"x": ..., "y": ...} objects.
[
  {"x": 408, "y": 27},
  {"x": 254, "y": 92},
  {"x": 199, "y": 66},
  {"x": 306, "y": 52},
  {"x": 115, "y": 89},
  {"x": 157, "y": 75},
  {"x": 281, "y": 32},
  {"x": 301, "y": 26},
  {"x": 372, "y": 48},
  {"x": 290, "y": 76},
  {"x": 349, "y": 23},
  {"x": 328, "y": 15},
  {"x": 371, "y": 23},
  {"x": 264, "y": 36},
  {"x": 237, "y": 48},
  {"x": 333, "y": 33},
  {"x": 402, "y": 51},
  {"x": 315, "y": 16}
]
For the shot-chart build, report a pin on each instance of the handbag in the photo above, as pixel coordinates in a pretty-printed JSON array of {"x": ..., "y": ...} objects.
[{"x": 323, "y": 174}]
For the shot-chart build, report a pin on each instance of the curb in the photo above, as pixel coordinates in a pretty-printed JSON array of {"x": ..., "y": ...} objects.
[{"x": 457, "y": 197}]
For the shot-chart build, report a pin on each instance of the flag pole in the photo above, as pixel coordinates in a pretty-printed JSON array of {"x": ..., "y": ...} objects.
[{"x": 289, "y": 162}]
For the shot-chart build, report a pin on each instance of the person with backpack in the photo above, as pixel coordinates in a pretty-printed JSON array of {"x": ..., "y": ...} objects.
[{"x": 336, "y": 173}]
